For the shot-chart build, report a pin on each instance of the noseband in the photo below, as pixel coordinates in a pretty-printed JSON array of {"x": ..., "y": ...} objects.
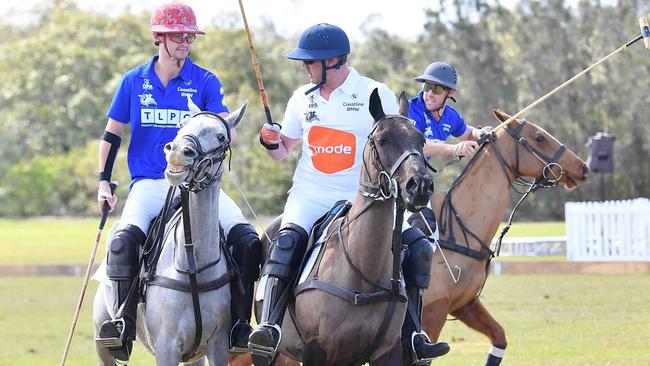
[
  {"x": 548, "y": 178},
  {"x": 201, "y": 173}
]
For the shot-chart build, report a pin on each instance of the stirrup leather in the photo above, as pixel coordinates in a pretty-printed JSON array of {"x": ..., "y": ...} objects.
[{"x": 263, "y": 350}]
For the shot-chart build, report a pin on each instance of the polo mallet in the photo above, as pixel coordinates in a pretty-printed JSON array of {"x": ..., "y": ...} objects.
[
  {"x": 91, "y": 261},
  {"x": 645, "y": 35},
  {"x": 256, "y": 67}
]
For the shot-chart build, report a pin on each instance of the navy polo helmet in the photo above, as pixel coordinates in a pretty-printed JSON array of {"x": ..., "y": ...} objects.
[
  {"x": 440, "y": 73},
  {"x": 321, "y": 42}
]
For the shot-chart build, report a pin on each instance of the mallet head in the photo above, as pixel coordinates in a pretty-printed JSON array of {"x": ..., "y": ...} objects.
[{"x": 645, "y": 31}]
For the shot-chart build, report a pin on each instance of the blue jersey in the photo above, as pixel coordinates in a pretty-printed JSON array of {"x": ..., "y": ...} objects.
[
  {"x": 154, "y": 111},
  {"x": 451, "y": 122}
]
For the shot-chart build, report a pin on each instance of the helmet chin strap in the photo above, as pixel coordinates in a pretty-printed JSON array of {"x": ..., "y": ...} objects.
[
  {"x": 324, "y": 74},
  {"x": 178, "y": 62}
]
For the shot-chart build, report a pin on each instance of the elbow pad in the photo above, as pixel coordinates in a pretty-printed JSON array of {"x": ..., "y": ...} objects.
[{"x": 115, "y": 141}]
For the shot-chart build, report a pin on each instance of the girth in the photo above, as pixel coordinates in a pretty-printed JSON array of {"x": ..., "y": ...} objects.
[{"x": 465, "y": 250}]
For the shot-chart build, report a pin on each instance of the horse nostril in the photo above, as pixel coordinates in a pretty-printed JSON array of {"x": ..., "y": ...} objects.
[
  {"x": 411, "y": 186},
  {"x": 585, "y": 169},
  {"x": 189, "y": 152},
  {"x": 169, "y": 146}
]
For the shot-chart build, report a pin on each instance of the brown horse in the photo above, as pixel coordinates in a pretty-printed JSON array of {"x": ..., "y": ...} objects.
[
  {"x": 349, "y": 310},
  {"x": 469, "y": 215}
]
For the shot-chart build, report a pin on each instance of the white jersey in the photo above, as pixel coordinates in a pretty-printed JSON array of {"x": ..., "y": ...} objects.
[
  {"x": 333, "y": 131},
  {"x": 333, "y": 134}
]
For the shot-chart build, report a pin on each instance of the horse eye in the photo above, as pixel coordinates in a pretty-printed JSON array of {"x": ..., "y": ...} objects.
[
  {"x": 383, "y": 141},
  {"x": 539, "y": 138}
]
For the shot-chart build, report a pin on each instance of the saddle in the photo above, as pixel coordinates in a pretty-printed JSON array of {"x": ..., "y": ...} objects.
[{"x": 160, "y": 227}]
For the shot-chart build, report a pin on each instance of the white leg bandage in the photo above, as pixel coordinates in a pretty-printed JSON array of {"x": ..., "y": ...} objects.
[{"x": 497, "y": 352}]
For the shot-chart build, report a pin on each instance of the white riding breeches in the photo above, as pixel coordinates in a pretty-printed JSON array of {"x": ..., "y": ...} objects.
[
  {"x": 147, "y": 197},
  {"x": 305, "y": 205}
]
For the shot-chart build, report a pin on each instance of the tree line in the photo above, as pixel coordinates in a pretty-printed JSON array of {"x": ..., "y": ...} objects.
[{"x": 59, "y": 74}]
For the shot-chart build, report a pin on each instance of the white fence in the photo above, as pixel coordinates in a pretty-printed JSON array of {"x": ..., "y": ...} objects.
[{"x": 608, "y": 231}]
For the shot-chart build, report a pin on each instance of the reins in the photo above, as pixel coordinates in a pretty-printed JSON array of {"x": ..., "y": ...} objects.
[{"x": 449, "y": 214}]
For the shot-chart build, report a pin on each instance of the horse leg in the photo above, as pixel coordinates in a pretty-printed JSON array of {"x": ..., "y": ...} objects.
[
  {"x": 479, "y": 319},
  {"x": 240, "y": 359},
  {"x": 392, "y": 357},
  {"x": 200, "y": 362}
]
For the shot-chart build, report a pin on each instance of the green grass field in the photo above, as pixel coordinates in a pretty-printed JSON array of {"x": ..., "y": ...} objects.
[
  {"x": 549, "y": 320},
  {"x": 70, "y": 240}
]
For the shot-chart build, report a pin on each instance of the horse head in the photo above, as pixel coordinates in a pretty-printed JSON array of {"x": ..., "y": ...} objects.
[
  {"x": 547, "y": 160},
  {"x": 394, "y": 149},
  {"x": 195, "y": 156}
]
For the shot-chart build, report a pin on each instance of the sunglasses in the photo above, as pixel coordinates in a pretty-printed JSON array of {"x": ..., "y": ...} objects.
[
  {"x": 436, "y": 89},
  {"x": 179, "y": 37}
]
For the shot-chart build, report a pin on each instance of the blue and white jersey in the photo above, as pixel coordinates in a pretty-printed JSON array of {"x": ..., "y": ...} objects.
[
  {"x": 451, "y": 122},
  {"x": 154, "y": 111}
]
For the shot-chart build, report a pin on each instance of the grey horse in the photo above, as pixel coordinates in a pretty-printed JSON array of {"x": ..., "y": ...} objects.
[{"x": 166, "y": 320}]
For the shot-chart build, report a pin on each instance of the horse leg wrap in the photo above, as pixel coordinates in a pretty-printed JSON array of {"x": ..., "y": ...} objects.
[
  {"x": 417, "y": 274},
  {"x": 117, "y": 335},
  {"x": 247, "y": 253},
  {"x": 495, "y": 356},
  {"x": 287, "y": 252}
]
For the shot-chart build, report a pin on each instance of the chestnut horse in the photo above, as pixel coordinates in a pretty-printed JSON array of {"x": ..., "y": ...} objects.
[{"x": 469, "y": 215}]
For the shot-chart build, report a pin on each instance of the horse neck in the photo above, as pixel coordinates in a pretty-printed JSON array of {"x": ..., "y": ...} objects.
[
  {"x": 204, "y": 222},
  {"x": 368, "y": 238},
  {"x": 480, "y": 199}
]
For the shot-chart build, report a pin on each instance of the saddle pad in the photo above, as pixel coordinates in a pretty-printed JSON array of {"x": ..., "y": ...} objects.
[{"x": 341, "y": 208}]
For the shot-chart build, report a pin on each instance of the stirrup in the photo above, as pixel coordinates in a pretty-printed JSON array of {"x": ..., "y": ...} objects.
[
  {"x": 114, "y": 341},
  {"x": 416, "y": 359},
  {"x": 109, "y": 334},
  {"x": 236, "y": 348},
  {"x": 266, "y": 351}
]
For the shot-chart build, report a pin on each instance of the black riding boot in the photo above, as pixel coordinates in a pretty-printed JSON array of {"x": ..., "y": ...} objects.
[
  {"x": 117, "y": 335},
  {"x": 247, "y": 253},
  {"x": 417, "y": 269},
  {"x": 282, "y": 268}
]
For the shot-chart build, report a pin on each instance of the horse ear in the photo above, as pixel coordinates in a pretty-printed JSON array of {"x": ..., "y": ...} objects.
[
  {"x": 194, "y": 109},
  {"x": 233, "y": 118},
  {"x": 376, "y": 110},
  {"x": 503, "y": 116},
  {"x": 403, "y": 104}
]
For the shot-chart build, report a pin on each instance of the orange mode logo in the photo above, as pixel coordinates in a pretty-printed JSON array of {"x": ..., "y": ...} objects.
[{"x": 331, "y": 150}]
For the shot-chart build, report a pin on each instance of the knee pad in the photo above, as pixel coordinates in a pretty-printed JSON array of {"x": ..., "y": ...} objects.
[
  {"x": 287, "y": 251},
  {"x": 122, "y": 263},
  {"x": 246, "y": 250},
  {"x": 417, "y": 262}
]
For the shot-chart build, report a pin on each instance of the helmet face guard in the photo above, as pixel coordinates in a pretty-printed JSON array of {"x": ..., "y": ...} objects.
[
  {"x": 440, "y": 73},
  {"x": 174, "y": 17}
]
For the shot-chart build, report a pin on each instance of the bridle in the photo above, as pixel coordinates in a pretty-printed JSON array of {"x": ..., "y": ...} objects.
[
  {"x": 448, "y": 213},
  {"x": 385, "y": 186},
  {"x": 206, "y": 168},
  {"x": 547, "y": 179}
]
